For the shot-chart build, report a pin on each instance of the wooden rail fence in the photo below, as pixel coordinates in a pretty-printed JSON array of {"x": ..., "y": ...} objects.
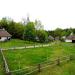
[
  {"x": 38, "y": 68},
  {"x": 7, "y": 71}
]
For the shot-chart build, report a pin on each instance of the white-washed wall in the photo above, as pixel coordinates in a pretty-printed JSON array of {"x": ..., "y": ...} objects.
[
  {"x": 68, "y": 40},
  {"x": 3, "y": 38}
]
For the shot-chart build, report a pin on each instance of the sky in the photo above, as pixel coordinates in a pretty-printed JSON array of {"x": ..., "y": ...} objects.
[{"x": 52, "y": 13}]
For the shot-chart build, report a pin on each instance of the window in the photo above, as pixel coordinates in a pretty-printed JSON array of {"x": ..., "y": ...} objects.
[{"x": 0, "y": 37}]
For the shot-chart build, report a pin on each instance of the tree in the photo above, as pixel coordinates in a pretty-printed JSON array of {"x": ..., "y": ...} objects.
[
  {"x": 19, "y": 29},
  {"x": 4, "y": 23},
  {"x": 42, "y": 35},
  {"x": 68, "y": 31},
  {"x": 51, "y": 33},
  {"x": 15, "y": 29},
  {"x": 38, "y": 25},
  {"x": 58, "y": 32},
  {"x": 29, "y": 32}
]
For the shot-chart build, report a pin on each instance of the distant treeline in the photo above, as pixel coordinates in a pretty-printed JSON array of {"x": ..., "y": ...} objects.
[
  {"x": 58, "y": 32},
  {"x": 32, "y": 31}
]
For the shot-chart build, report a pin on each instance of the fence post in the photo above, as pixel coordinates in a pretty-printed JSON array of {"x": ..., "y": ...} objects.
[
  {"x": 8, "y": 73},
  {"x": 34, "y": 45},
  {"x": 39, "y": 67},
  {"x": 25, "y": 46},
  {"x": 5, "y": 64},
  {"x": 42, "y": 45},
  {"x": 49, "y": 44},
  {"x": 71, "y": 57},
  {"x": 58, "y": 61}
]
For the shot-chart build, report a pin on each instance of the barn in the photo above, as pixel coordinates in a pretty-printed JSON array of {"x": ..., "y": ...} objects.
[{"x": 4, "y": 35}]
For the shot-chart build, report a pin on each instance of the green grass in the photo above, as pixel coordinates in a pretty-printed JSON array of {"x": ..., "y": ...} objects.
[
  {"x": 1, "y": 66},
  {"x": 16, "y": 43},
  {"x": 29, "y": 57},
  {"x": 63, "y": 69},
  {"x": 61, "y": 49}
]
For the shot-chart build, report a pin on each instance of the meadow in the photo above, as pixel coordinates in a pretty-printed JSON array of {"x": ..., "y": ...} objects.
[
  {"x": 26, "y": 58},
  {"x": 2, "y": 72},
  {"x": 63, "y": 69},
  {"x": 16, "y": 43}
]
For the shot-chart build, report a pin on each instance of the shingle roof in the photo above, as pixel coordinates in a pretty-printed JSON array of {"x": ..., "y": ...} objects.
[{"x": 4, "y": 33}]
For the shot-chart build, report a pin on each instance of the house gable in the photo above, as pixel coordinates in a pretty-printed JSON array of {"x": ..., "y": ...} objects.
[{"x": 4, "y": 35}]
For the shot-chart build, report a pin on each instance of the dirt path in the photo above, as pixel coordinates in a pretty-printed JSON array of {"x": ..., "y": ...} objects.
[{"x": 34, "y": 46}]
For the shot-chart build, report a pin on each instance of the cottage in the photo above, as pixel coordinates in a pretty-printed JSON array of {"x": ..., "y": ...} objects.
[
  {"x": 57, "y": 38},
  {"x": 50, "y": 38},
  {"x": 4, "y": 35},
  {"x": 70, "y": 38}
]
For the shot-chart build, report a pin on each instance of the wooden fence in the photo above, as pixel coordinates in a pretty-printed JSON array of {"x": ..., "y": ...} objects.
[
  {"x": 24, "y": 47},
  {"x": 36, "y": 68},
  {"x": 39, "y": 67},
  {"x": 7, "y": 71}
]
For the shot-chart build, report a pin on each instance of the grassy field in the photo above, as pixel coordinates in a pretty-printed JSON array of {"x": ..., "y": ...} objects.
[
  {"x": 16, "y": 43},
  {"x": 1, "y": 66},
  {"x": 18, "y": 59},
  {"x": 27, "y": 57},
  {"x": 63, "y": 69}
]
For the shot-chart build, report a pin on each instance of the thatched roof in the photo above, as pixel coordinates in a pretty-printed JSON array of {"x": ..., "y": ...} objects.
[
  {"x": 71, "y": 37},
  {"x": 4, "y": 33},
  {"x": 50, "y": 37}
]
